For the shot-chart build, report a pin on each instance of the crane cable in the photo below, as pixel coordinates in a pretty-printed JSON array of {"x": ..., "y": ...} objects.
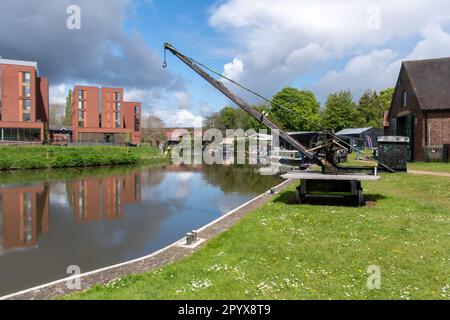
[{"x": 276, "y": 104}]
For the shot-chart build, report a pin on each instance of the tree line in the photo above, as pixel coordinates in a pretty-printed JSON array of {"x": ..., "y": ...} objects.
[
  {"x": 292, "y": 110},
  {"x": 299, "y": 110}
]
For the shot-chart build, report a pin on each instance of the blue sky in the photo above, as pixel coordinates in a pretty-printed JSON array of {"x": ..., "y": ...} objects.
[
  {"x": 185, "y": 25},
  {"x": 321, "y": 45}
]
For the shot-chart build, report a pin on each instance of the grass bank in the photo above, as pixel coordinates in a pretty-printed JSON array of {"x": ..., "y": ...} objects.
[
  {"x": 44, "y": 157},
  {"x": 315, "y": 251}
]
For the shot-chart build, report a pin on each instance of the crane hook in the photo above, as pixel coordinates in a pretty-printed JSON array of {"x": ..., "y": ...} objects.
[{"x": 165, "y": 59}]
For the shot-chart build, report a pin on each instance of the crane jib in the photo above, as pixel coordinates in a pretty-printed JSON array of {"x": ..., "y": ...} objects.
[{"x": 243, "y": 105}]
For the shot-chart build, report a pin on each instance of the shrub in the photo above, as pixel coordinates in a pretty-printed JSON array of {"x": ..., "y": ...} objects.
[{"x": 5, "y": 163}]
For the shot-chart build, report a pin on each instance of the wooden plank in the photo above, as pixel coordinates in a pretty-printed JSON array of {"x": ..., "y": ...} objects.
[{"x": 300, "y": 175}]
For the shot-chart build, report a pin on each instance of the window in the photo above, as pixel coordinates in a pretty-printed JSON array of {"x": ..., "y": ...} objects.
[
  {"x": 393, "y": 126},
  {"x": 118, "y": 122},
  {"x": 100, "y": 108},
  {"x": 21, "y": 134},
  {"x": 26, "y": 84},
  {"x": 81, "y": 95},
  {"x": 404, "y": 98},
  {"x": 80, "y": 113},
  {"x": 26, "y": 105},
  {"x": 118, "y": 106},
  {"x": 27, "y": 92},
  {"x": 26, "y": 117},
  {"x": 137, "y": 119},
  {"x": 117, "y": 96},
  {"x": 26, "y": 110}
]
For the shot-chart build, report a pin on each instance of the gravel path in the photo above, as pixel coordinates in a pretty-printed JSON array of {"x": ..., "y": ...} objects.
[{"x": 428, "y": 173}]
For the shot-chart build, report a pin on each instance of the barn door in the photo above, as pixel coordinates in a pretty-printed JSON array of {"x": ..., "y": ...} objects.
[{"x": 410, "y": 135}]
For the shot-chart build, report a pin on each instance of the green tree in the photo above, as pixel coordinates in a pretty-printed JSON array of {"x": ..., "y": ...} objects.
[
  {"x": 68, "y": 111},
  {"x": 252, "y": 123},
  {"x": 152, "y": 125},
  {"x": 234, "y": 118},
  {"x": 372, "y": 106},
  {"x": 213, "y": 122},
  {"x": 228, "y": 118},
  {"x": 340, "y": 111},
  {"x": 385, "y": 97},
  {"x": 305, "y": 107}
]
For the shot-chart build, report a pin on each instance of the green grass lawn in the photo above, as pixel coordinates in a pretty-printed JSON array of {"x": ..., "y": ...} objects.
[
  {"x": 42, "y": 157},
  {"x": 287, "y": 251},
  {"x": 418, "y": 166}
]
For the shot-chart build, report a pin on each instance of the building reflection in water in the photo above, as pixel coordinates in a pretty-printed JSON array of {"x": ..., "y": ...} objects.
[
  {"x": 24, "y": 216},
  {"x": 104, "y": 198},
  {"x": 25, "y": 213}
]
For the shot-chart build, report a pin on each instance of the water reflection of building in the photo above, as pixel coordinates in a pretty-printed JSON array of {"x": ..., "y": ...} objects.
[
  {"x": 104, "y": 198},
  {"x": 24, "y": 216}
]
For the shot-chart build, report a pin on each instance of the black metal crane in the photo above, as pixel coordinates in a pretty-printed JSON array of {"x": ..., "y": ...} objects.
[{"x": 340, "y": 178}]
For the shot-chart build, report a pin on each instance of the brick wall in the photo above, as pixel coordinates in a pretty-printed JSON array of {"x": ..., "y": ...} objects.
[
  {"x": 129, "y": 120},
  {"x": 11, "y": 92},
  {"x": 413, "y": 107},
  {"x": 12, "y": 98},
  {"x": 438, "y": 127}
]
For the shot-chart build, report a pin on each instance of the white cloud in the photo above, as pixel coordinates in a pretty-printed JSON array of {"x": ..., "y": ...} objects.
[
  {"x": 234, "y": 70},
  {"x": 147, "y": 97},
  {"x": 370, "y": 71},
  {"x": 183, "y": 99},
  {"x": 179, "y": 118},
  {"x": 281, "y": 41},
  {"x": 58, "y": 94},
  {"x": 435, "y": 44},
  {"x": 379, "y": 69}
]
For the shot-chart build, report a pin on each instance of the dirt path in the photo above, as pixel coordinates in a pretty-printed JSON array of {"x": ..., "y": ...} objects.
[{"x": 428, "y": 173}]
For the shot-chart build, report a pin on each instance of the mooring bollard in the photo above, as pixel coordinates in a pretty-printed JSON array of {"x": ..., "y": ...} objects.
[
  {"x": 188, "y": 239},
  {"x": 191, "y": 237}
]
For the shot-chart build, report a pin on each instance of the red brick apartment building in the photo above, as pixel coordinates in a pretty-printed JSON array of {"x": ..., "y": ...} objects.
[
  {"x": 420, "y": 108},
  {"x": 24, "y": 101},
  {"x": 100, "y": 115}
]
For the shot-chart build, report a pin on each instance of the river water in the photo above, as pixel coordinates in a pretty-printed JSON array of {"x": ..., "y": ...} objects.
[{"x": 50, "y": 220}]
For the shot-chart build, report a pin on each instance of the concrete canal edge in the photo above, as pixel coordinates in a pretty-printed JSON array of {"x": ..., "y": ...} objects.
[{"x": 158, "y": 259}]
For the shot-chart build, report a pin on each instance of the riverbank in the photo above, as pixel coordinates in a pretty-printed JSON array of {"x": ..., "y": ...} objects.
[
  {"x": 317, "y": 251},
  {"x": 160, "y": 258},
  {"x": 45, "y": 157}
]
